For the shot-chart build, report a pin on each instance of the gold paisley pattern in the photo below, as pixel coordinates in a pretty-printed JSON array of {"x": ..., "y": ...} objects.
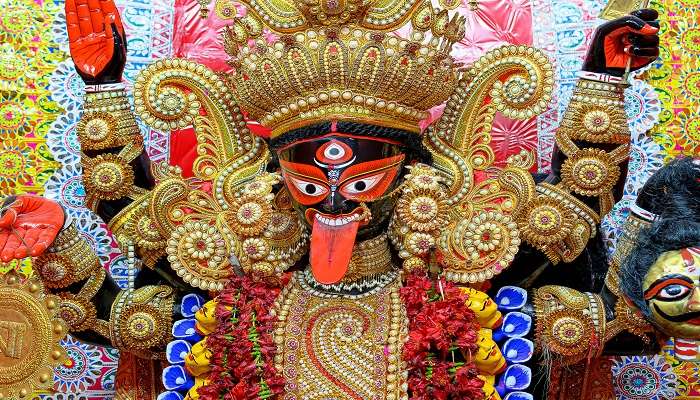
[
  {"x": 339, "y": 347},
  {"x": 515, "y": 81}
]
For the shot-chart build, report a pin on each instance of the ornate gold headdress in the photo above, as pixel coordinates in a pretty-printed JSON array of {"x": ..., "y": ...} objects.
[
  {"x": 333, "y": 59},
  {"x": 336, "y": 60}
]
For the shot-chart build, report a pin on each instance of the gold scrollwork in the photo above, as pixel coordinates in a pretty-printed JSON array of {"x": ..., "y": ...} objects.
[
  {"x": 171, "y": 93},
  {"x": 482, "y": 237}
]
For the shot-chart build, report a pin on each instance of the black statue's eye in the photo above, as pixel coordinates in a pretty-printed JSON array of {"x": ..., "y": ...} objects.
[
  {"x": 310, "y": 188},
  {"x": 360, "y": 185},
  {"x": 334, "y": 151}
]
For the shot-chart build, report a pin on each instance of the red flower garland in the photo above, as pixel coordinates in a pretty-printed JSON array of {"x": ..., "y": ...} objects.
[
  {"x": 242, "y": 347},
  {"x": 440, "y": 325},
  {"x": 243, "y": 350}
]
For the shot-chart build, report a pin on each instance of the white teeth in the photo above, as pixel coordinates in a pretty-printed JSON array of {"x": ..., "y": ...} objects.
[{"x": 336, "y": 221}]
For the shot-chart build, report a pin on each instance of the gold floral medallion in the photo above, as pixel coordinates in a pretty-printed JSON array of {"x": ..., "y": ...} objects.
[
  {"x": 29, "y": 334},
  {"x": 107, "y": 176},
  {"x": 590, "y": 172}
]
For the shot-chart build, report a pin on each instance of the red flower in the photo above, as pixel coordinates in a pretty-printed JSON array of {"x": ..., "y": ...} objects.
[
  {"x": 440, "y": 324},
  {"x": 243, "y": 334}
]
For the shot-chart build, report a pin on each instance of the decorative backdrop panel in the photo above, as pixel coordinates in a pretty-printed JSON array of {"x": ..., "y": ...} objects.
[{"x": 41, "y": 97}]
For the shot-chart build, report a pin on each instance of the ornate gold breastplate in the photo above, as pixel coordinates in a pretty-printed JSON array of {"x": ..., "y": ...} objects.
[{"x": 341, "y": 347}]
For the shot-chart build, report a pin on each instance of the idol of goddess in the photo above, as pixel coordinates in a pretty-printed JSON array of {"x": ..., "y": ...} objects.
[{"x": 349, "y": 254}]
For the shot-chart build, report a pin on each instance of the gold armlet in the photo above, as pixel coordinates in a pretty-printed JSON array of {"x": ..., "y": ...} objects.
[
  {"x": 109, "y": 176},
  {"x": 590, "y": 171},
  {"x": 557, "y": 223},
  {"x": 141, "y": 320},
  {"x": 69, "y": 260},
  {"x": 78, "y": 310},
  {"x": 107, "y": 121},
  {"x": 596, "y": 113},
  {"x": 569, "y": 325}
]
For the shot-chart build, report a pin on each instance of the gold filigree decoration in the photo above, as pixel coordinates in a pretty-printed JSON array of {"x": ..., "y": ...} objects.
[
  {"x": 460, "y": 139},
  {"x": 271, "y": 235},
  {"x": 199, "y": 222},
  {"x": 30, "y": 332},
  {"x": 596, "y": 113},
  {"x": 173, "y": 93},
  {"x": 289, "y": 16},
  {"x": 78, "y": 313},
  {"x": 107, "y": 121},
  {"x": 250, "y": 215},
  {"x": 346, "y": 73},
  {"x": 149, "y": 220},
  {"x": 141, "y": 319},
  {"x": 590, "y": 172},
  {"x": 546, "y": 221},
  {"x": 515, "y": 81},
  {"x": 567, "y": 332},
  {"x": 557, "y": 223},
  {"x": 419, "y": 215},
  {"x": 69, "y": 260},
  {"x": 198, "y": 253},
  {"x": 569, "y": 324},
  {"x": 95, "y": 128}
]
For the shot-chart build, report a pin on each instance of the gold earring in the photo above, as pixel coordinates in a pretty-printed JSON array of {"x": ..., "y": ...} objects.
[
  {"x": 419, "y": 214},
  {"x": 272, "y": 238}
]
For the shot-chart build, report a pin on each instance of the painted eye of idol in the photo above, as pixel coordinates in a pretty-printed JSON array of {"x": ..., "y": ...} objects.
[
  {"x": 340, "y": 175},
  {"x": 672, "y": 292}
]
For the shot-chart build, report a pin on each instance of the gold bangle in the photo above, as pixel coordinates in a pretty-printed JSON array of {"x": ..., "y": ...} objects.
[
  {"x": 564, "y": 324},
  {"x": 69, "y": 260},
  {"x": 107, "y": 121},
  {"x": 141, "y": 320}
]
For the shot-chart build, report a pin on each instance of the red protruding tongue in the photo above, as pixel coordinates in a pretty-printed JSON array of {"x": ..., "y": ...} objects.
[{"x": 331, "y": 249}]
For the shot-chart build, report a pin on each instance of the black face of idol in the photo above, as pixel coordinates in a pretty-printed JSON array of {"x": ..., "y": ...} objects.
[
  {"x": 343, "y": 188},
  {"x": 334, "y": 175}
]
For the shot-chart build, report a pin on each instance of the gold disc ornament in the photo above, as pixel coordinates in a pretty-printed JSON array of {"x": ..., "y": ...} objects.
[{"x": 30, "y": 331}]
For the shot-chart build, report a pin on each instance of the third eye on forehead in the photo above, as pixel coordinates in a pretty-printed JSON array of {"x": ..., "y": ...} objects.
[{"x": 339, "y": 149}]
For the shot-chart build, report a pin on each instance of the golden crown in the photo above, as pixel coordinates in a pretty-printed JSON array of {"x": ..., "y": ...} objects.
[{"x": 338, "y": 59}]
